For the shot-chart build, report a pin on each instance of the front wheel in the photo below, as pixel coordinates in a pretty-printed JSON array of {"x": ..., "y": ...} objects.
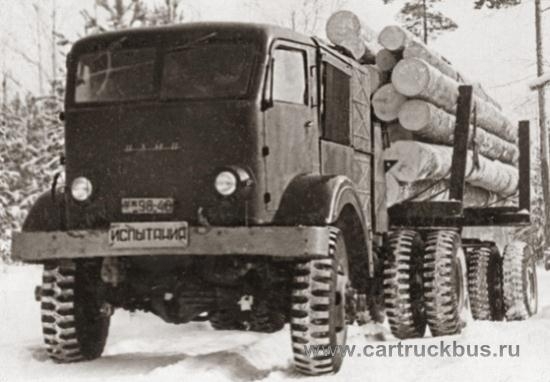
[
  {"x": 75, "y": 318},
  {"x": 318, "y": 315}
]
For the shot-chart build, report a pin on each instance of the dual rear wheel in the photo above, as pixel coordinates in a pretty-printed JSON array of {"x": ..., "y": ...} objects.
[
  {"x": 503, "y": 286},
  {"x": 426, "y": 283},
  {"x": 423, "y": 283}
]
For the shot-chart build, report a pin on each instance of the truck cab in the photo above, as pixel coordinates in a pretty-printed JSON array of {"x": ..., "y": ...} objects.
[{"x": 214, "y": 171}]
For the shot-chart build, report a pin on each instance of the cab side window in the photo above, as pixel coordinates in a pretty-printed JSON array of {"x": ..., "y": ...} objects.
[
  {"x": 336, "y": 105},
  {"x": 289, "y": 76}
]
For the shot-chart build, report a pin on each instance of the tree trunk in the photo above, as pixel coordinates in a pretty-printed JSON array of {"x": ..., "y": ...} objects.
[
  {"x": 544, "y": 150},
  {"x": 413, "y": 77},
  {"x": 419, "y": 161},
  {"x": 344, "y": 29},
  {"x": 386, "y": 103},
  {"x": 434, "y": 125},
  {"x": 424, "y": 190}
]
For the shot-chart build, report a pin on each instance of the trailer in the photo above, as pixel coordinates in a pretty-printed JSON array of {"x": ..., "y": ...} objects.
[{"x": 431, "y": 268}]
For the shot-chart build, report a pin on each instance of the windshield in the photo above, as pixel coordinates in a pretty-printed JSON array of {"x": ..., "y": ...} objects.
[
  {"x": 215, "y": 70},
  {"x": 115, "y": 75}
]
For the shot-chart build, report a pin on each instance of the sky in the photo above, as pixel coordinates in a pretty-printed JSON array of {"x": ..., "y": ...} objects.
[{"x": 495, "y": 48}]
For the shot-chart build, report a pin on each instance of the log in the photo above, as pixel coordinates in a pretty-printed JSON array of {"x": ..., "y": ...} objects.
[
  {"x": 345, "y": 29},
  {"x": 386, "y": 59},
  {"x": 376, "y": 77},
  {"x": 416, "y": 49},
  {"x": 434, "y": 125},
  {"x": 386, "y": 103},
  {"x": 394, "y": 38},
  {"x": 397, "y": 39},
  {"x": 423, "y": 190},
  {"x": 414, "y": 77},
  {"x": 419, "y": 161}
]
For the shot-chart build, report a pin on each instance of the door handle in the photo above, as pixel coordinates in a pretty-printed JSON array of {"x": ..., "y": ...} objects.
[{"x": 308, "y": 124}]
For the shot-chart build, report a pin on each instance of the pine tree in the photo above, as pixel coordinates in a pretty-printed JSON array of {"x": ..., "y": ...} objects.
[
  {"x": 478, "y": 4},
  {"x": 422, "y": 19},
  {"x": 124, "y": 14}
]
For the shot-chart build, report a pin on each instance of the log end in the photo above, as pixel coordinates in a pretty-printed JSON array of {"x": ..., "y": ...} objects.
[
  {"x": 386, "y": 103},
  {"x": 376, "y": 77},
  {"x": 393, "y": 38},
  {"x": 415, "y": 115},
  {"x": 343, "y": 26},
  {"x": 385, "y": 60},
  {"x": 411, "y": 76}
]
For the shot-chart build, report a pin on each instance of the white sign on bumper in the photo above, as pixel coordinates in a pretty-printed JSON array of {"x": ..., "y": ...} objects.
[{"x": 149, "y": 235}]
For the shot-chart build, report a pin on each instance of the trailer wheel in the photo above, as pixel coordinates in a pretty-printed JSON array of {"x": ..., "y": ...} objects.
[
  {"x": 485, "y": 284},
  {"x": 318, "y": 315},
  {"x": 444, "y": 291},
  {"x": 75, "y": 320},
  {"x": 403, "y": 287},
  {"x": 520, "y": 281}
]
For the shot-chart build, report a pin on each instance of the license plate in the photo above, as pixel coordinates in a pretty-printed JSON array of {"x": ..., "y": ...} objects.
[
  {"x": 149, "y": 235},
  {"x": 144, "y": 206}
]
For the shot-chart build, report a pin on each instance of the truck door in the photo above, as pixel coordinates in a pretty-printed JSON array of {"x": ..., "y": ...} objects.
[{"x": 290, "y": 126}]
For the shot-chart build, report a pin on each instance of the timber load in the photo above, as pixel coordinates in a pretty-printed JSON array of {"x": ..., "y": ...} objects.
[{"x": 414, "y": 96}]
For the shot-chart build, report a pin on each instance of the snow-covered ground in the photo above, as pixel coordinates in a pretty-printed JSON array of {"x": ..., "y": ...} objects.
[{"x": 143, "y": 348}]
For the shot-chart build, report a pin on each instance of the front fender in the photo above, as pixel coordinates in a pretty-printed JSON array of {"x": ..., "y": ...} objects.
[
  {"x": 46, "y": 214},
  {"x": 317, "y": 200}
]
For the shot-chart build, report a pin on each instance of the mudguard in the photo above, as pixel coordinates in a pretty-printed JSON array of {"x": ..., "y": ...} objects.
[
  {"x": 317, "y": 200},
  {"x": 46, "y": 214},
  {"x": 320, "y": 200}
]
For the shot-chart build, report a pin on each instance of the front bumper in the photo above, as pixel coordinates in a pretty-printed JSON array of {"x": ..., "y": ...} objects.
[{"x": 283, "y": 242}]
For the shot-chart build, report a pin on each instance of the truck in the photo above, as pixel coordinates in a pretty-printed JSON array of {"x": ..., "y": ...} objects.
[{"x": 233, "y": 173}]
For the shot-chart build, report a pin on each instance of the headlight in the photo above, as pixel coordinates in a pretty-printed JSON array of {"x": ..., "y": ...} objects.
[
  {"x": 81, "y": 188},
  {"x": 226, "y": 183}
]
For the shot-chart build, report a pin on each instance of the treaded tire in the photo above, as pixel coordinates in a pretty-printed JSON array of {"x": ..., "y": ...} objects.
[
  {"x": 485, "y": 284},
  {"x": 318, "y": 316},
  {"x": 520, "y": 281},
  {"x": 73, "y": 325},
  {"x": 403, "y": 294},
  {"x": 443, "y": 285}
]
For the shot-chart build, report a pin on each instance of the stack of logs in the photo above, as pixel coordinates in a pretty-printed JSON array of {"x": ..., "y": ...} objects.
[{"x": 415, "y": 93}]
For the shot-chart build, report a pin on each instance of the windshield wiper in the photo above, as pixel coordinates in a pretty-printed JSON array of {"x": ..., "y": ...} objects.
[{"x": 194, "y": 42}]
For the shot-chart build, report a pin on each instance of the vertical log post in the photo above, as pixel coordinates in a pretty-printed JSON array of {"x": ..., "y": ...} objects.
[
  {"x": 524, "y": 167},
  {"x": 460, "y": 147}
]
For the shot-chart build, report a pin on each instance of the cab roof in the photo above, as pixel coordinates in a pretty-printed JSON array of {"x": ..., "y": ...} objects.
[{"x": 189, "y": 31}]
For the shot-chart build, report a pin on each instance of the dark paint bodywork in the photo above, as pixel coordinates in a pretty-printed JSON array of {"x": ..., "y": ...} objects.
[
  {"x": 210, "y": 134},
  {"x": 306, "y": 167}
]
